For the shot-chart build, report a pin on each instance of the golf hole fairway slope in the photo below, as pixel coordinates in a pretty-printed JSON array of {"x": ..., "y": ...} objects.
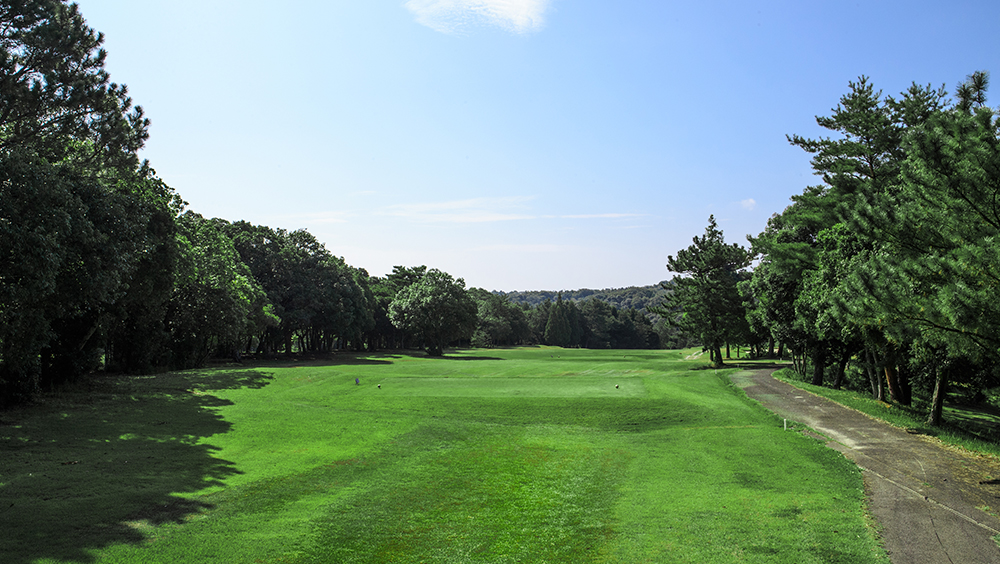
[{"x": 532, "y": 454}]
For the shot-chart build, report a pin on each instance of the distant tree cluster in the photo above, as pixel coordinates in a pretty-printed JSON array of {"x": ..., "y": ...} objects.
[
  {"x": 590, "y": 323},
  {"x": 610, "y": 318},
  {"x": 640, "y": 298}
]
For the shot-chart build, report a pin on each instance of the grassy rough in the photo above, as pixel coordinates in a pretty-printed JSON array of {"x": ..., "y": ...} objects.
[{"x": 519, "y": 455}]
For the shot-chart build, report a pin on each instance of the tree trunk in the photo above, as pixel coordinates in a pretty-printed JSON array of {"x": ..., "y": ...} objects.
[
  {"x": 892, "y": 380},
  {"x": 781, "y": 350},
  {"x": 937, "y": 402},
  {"x": 727, "y": 351},
  {"x": 718, "y": 356},
  {"x": 873, "y": 379},
  {"x": 841, "y": 368},
  {"x": 819, "y": 363},
  {"x": 770, "y": 346},
  {"x": 905, "y": 387}
]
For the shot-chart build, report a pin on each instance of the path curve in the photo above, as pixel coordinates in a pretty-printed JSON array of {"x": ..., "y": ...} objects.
[{"x": 924, "y": 494}]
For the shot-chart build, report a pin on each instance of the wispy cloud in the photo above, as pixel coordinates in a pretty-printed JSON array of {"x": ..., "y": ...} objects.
[
  {"x": 475, "y": 210},
  {"x": 321, "y": 217},
  {"x": 453, "y": 16},
  {"x": 602, "y": 215},
  {"x": 485, "y": 210},
  {"x": 749, "y": 204},
  {"x": 529, "y": 248}
]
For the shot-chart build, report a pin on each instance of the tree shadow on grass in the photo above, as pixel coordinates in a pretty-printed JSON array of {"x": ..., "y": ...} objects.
[
  {"x": 982, "y": 422},
  {"x": 744, "y": 365},
  {"x": 358, "y": 361},
  {"x": 221, "y": 379},
  {"x": 446, "y": 357},
  {"x": 399, "y": 354},
  {"x": 312, "y": 360},
  {"x": 80, "y": 471}
]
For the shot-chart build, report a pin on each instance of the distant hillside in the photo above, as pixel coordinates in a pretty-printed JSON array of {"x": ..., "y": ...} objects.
[{"x": 633, "y": 297}]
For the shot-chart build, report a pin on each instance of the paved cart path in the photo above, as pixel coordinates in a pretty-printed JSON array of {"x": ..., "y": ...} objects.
[{"x": 926, "y": 496}]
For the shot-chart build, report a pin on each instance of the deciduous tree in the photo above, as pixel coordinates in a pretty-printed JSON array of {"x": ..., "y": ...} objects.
[{"x": 438, "y": 308}]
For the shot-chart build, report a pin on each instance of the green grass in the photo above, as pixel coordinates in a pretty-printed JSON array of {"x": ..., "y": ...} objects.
[
  {"x": 963, "y": 426},
  {"x": 516, "y": 455}
]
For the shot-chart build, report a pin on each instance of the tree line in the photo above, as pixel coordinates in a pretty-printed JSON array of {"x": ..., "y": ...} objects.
[
  {"x": 102, "y": 265},
  {"x": 608, "y": 318},
  {"x": 633, "y": 297},
  {"x": 890, "y": 265}
]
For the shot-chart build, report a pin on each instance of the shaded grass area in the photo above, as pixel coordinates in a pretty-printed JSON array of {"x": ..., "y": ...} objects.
[
  {"x": 982, "y": 422},
  {"x": 94, "y": 468},
  {"x": 519, "y": 455},
  {"x": 963, "y": 426}
]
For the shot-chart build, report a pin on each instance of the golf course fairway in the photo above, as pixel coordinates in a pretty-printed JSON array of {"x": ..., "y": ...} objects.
[{"x": 532, "y": 454}]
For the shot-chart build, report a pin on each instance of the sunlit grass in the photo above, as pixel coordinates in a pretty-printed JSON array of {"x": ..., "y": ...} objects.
[{"x": 519, "y": 455}]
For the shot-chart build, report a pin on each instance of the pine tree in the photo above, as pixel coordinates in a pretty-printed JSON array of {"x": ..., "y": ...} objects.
[
  {"x": 706, "y": 292},
  {"x": 56, "y": 99}
]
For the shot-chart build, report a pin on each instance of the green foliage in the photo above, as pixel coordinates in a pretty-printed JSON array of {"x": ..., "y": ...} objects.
[
  {"x": 136, "y": 338},
  {"x": 599, "y": 313},
  {"x": 558, "y": 330},
  {"x": 436, "y": 307},
  {"x": 384, "y": 334},
  {"x": 893, "y": 258},
  {"x": 36, "y": 206},
  {"x": 317, "y": 296},
  {"x": 75, "y": 249},
  {"x": 593, "y": 323},
  {"x": 947, "y": 256},
  {"x": 639, "y": 298},
  {"x": 813, "y": 248},
  {"x": 499, "y": 322},
  {"x": 216, "y": 304},
  {"x": 56, "y": 99},
  {"x": 95, "y": 227}
]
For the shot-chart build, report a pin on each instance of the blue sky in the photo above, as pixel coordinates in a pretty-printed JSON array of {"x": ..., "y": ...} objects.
[{"x": 518, "y": 144}]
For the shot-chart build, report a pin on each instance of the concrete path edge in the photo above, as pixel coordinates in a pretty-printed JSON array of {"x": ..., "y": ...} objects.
[{"x": 929, "y": 500}]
